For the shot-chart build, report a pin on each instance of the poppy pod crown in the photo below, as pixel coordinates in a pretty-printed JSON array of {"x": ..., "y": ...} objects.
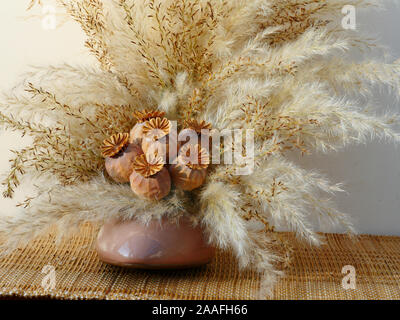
[
  {"x": 114, "y": 145},
  {"x": 145, "y": 115},
  {"x": 197, "y": 125},
  {"x": 148, "y": 166},
  {"x": 157, "y": 128}
]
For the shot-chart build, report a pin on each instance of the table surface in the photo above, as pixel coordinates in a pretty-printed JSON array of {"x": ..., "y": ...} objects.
[{"x": 315, "y": 273}]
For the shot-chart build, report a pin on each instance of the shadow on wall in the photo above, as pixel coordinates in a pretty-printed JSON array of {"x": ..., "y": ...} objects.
[{"x": 371, "y": 177}]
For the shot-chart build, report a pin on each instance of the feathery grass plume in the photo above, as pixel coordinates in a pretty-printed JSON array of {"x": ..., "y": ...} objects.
[
  {"x": 280, "y": 68},
  {"x": 103, "y": 201}
]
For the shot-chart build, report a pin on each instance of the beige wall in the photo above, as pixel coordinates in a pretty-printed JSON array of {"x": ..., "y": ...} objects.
[{"x": 372, "y": 172}]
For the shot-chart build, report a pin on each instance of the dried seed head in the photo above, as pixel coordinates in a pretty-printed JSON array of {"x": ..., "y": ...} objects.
[
  {"x": 148, "y": 166},
  {"x": 197, "y": 125},
  {"x": 157, "y": 128},
  {"x": 114, "y": 145},
  {"x": 194, "y": 156},
  {"x": 145, "y": 115}
]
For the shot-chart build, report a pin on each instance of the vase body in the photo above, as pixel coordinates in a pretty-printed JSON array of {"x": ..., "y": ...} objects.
[{"x": 158, "y": 245}]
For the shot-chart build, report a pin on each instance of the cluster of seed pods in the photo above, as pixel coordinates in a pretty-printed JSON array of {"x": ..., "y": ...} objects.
[{"x": 152, "y": 160}]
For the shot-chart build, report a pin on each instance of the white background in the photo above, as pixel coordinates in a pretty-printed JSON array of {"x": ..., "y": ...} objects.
[{"x": 371, "y": 172}]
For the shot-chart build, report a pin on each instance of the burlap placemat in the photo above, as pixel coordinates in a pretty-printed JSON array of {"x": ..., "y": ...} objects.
[{"x": 315, "y": 273}]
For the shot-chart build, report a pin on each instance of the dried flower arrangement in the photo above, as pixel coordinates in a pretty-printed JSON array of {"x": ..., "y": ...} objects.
[{"x": 278, "y": 67}]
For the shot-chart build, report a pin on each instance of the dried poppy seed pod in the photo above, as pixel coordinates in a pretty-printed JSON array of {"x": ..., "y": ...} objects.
[
  {"x": 136, "y": 134},
  {"x": 150, "y": 179},
  {"x": 120, "y": 156},
  {"x": 160, "y": 139},
  {"x": 190, "y": 170},
  {"x": 193, "y": 128}
]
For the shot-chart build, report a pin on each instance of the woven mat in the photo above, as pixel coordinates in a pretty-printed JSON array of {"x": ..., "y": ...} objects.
[{"x": 316, "y": 273}]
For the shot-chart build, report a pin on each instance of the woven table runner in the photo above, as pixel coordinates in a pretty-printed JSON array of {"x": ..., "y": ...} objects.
[{"x": 315, "y": 273}]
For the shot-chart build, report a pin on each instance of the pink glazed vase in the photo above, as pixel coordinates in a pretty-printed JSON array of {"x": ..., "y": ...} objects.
[{"x": 159, "y": 245}]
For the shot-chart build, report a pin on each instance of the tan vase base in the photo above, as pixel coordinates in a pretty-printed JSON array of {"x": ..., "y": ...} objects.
[{"x": 162, "y": 245}]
